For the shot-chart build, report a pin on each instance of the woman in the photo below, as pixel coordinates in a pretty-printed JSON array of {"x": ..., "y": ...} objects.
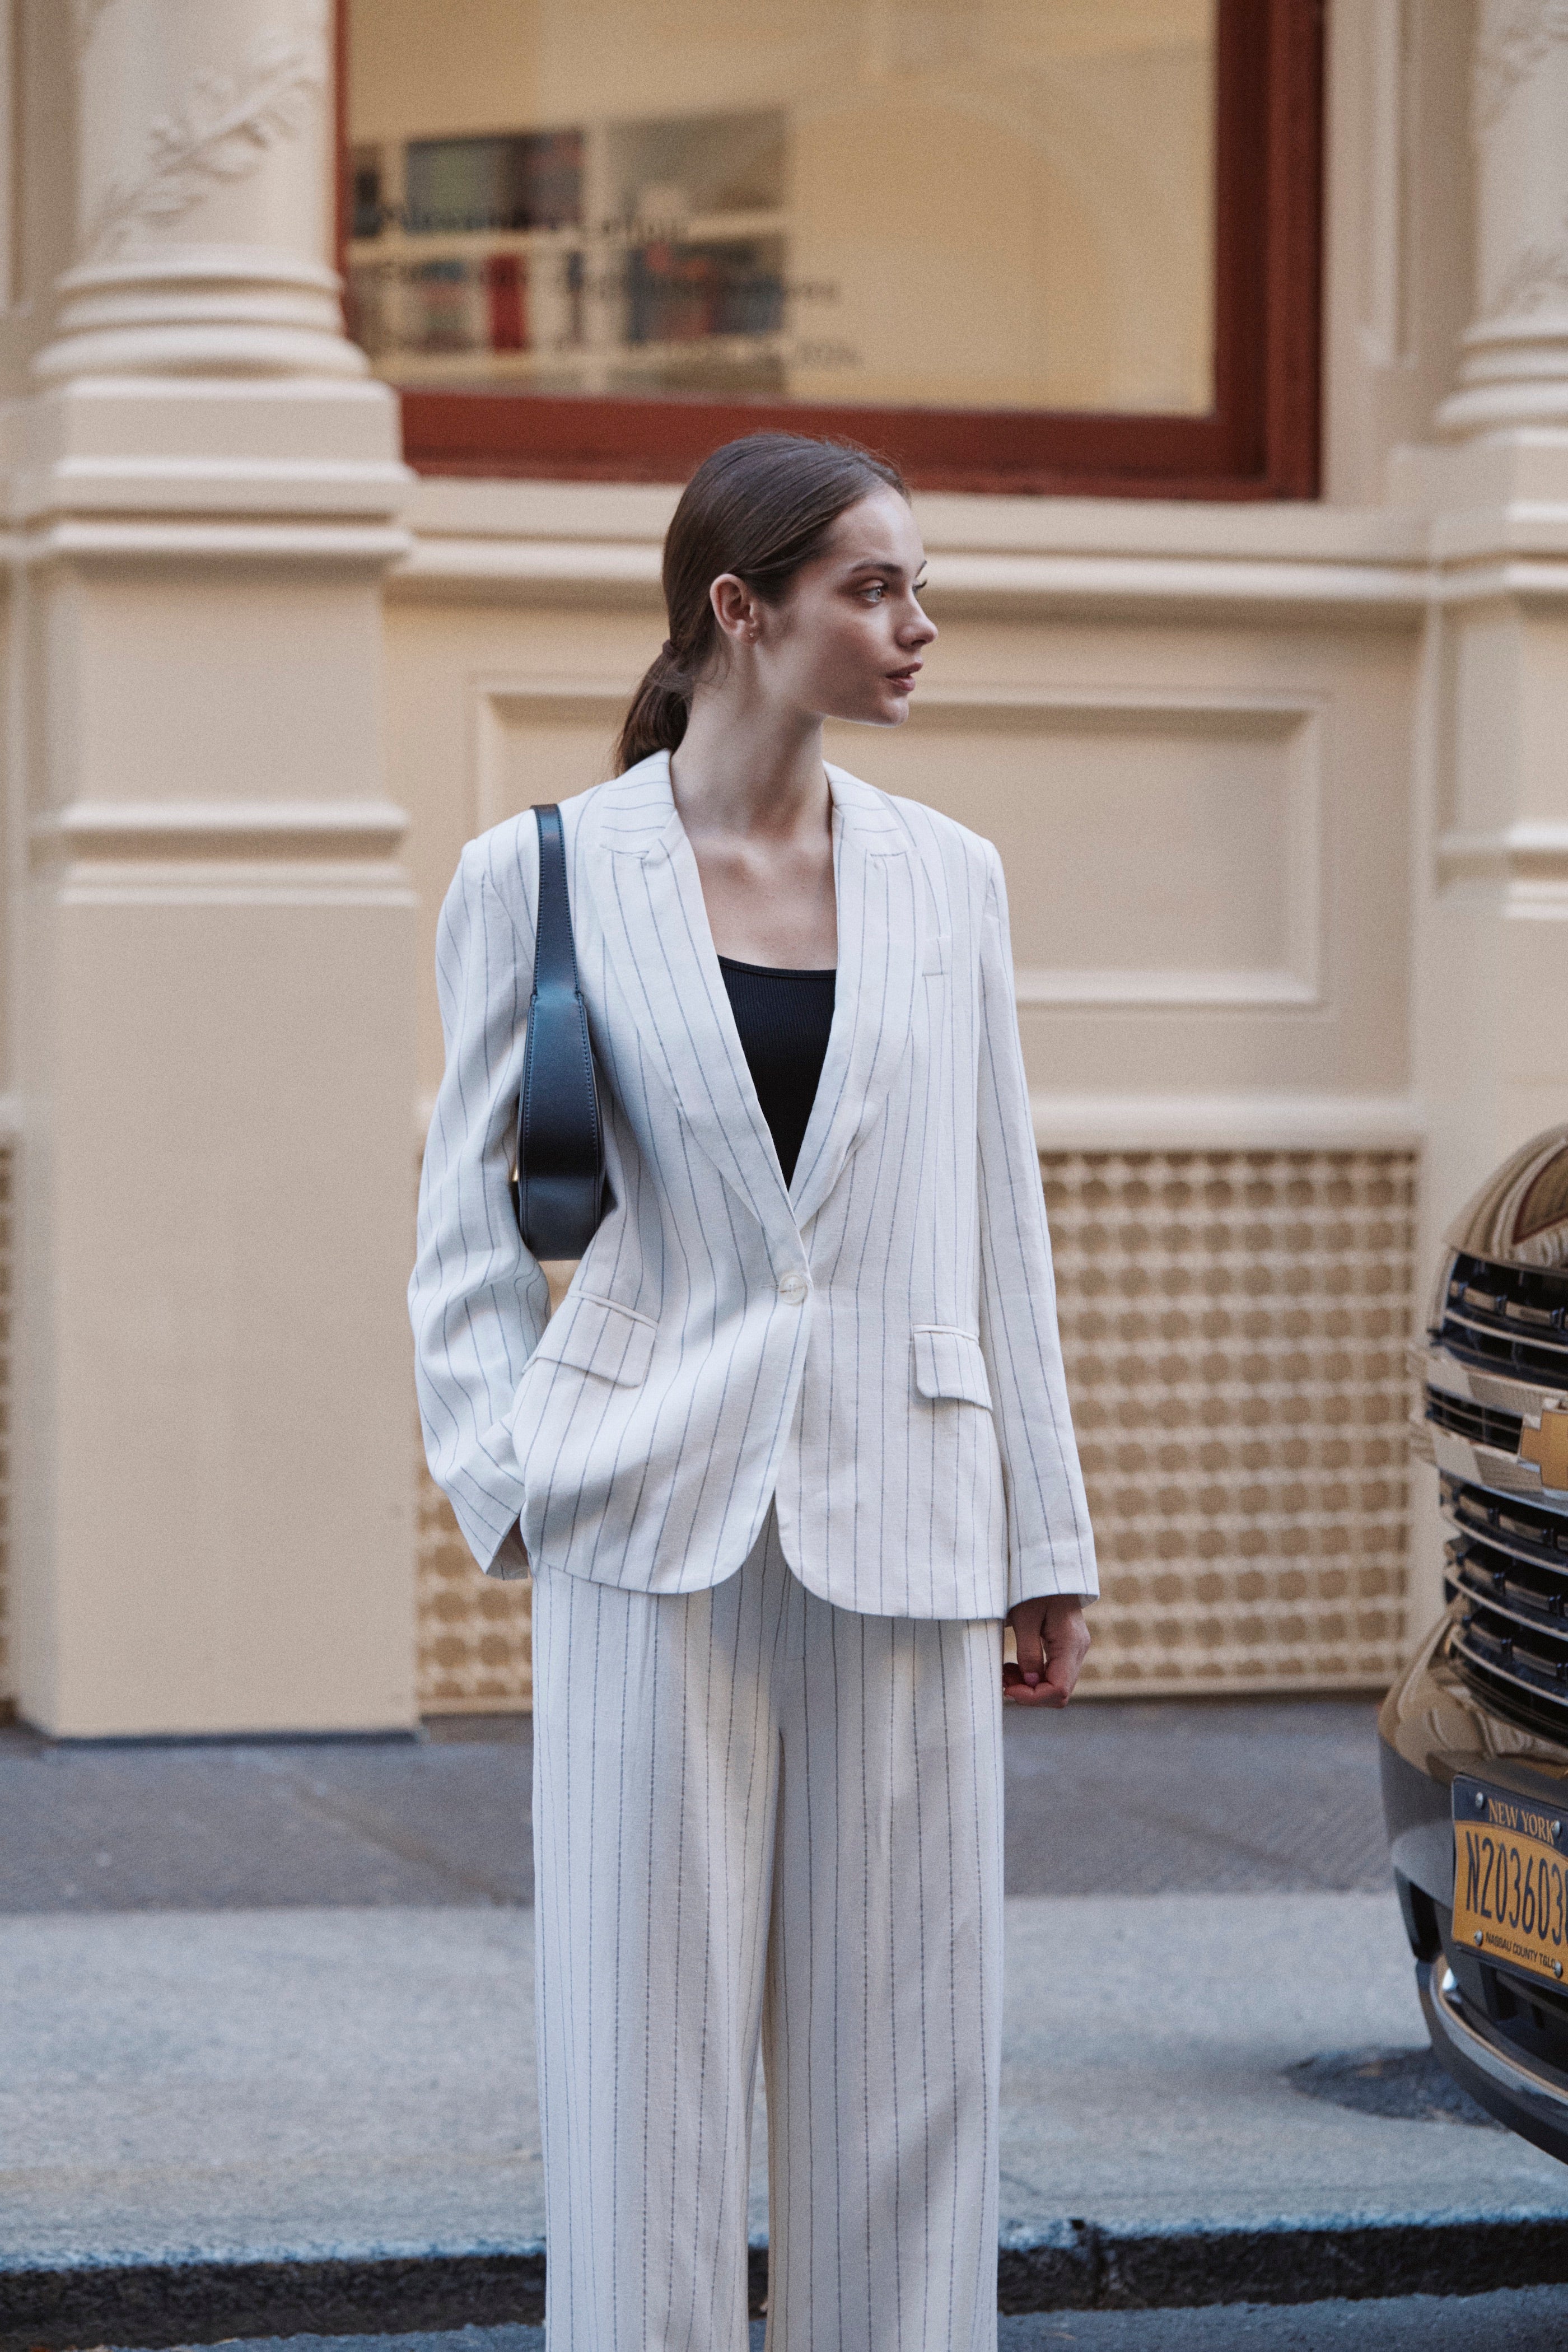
[{"x": 793, "y": 1446}]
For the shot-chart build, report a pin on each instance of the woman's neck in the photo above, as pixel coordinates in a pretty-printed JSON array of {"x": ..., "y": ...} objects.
[
  {"x": 750, "y": 770},
  {"x": 752, "y": 792}
]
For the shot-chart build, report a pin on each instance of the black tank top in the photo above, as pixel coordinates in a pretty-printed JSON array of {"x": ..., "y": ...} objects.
[{"x": 783, "y": 1018}]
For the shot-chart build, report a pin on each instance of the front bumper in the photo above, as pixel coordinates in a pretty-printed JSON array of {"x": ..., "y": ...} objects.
[
  {"x": 1527, "y": 2094},
  {"x": 1500, "y": 2033}
]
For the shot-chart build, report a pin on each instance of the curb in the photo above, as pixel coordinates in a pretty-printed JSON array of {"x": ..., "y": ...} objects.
[
  {"x": 1070, "y": 2266},
  {"x": 192, "y": 2300},
  {"x": 1087, "y": 2267}
]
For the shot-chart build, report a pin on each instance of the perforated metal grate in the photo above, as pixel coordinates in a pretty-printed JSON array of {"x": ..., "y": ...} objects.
[
  {"x": 1233, "y": 1325},
  {"x": 474, "y": 1634}
]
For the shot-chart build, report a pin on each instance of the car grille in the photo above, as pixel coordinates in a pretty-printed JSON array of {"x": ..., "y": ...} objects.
[
  {"x": 1511, "y": 1319},
  {"x": 1507, "y": 1565},
  {"x": 1482, "y": 1422}
]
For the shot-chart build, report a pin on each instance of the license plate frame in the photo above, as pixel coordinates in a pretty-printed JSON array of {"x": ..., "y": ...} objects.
[{"x": 1518, "y": 1844}]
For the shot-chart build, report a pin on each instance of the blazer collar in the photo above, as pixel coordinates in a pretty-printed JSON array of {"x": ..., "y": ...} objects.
[{"x": 648, "y": 899}]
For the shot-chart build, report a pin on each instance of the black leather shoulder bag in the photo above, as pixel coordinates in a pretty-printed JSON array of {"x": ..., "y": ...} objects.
[{"x": 560, "y": 1193}]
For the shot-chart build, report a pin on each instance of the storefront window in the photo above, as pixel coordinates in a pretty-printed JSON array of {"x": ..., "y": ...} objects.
[{"x": 960, "y": 208}]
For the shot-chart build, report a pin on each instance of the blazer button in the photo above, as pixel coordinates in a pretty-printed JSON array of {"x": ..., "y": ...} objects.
[{"x": 793, "y": 1285}]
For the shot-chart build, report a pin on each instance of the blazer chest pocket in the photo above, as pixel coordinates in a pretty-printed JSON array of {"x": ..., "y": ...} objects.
[
  {"x": 594, "y": 1335},
  {"x": 949, "y": 1363}
]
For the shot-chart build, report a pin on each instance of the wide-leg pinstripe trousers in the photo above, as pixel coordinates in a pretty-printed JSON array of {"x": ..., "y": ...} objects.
[{"x": 757, "y": 1815}]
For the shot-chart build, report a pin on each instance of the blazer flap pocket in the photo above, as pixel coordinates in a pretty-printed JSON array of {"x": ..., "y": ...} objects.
[
  {"x": 594, "y": 1335},
  {"x": 949, "y": 1363}
]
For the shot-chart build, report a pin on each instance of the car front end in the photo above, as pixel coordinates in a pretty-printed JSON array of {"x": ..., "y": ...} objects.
[{"x": 1474, "y": 1738}]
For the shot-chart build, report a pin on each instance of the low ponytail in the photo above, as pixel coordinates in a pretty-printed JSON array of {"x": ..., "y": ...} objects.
[
  {"x": 660, "y": 706},
  {"x": 761, "y": 507}
]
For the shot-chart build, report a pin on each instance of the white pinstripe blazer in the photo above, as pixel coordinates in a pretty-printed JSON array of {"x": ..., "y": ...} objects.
[{"x": 873, "y": 1347}]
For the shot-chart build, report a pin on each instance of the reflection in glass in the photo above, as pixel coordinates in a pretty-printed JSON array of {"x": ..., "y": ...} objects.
[{"x": 965, "y": 203}]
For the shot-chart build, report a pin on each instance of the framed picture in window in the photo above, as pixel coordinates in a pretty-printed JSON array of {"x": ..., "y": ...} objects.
[{"x": 1037, "y": 245}]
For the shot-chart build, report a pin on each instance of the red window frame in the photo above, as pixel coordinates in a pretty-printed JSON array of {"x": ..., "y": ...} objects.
[{"x": 1259, "y": 441}]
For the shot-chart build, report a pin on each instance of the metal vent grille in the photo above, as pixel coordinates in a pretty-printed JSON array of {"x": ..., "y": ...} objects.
[
  {"x": 1233, "y": 1325},
  {"x": 474, "y": 1634}
]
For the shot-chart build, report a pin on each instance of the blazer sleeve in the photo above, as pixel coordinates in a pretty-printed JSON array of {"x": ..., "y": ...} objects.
[
  {"x": 477, "y": 1299},
  {"x": 1050, "y": 1545}
]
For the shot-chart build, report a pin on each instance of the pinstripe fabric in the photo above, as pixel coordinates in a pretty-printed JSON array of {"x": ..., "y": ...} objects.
[
  {"x": 760, "y": 1816},
  {"x": 872, "y": 1350}
]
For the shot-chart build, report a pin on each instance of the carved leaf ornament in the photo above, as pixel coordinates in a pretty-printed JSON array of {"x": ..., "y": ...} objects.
[
  {"x": 1515, "y": 36},
  {"x": 221, "y": 130},
  {"x": 1538, "y": 280},
  {"x": 85, "y": 14}
]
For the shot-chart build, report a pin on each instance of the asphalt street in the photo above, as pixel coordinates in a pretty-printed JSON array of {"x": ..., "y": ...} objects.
[
  {"x": 1111, "y": 1797},
  {"x": 1533, "y": 2319}
]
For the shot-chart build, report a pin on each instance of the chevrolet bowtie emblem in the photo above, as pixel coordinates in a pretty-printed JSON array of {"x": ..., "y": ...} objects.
[{"x": 1547, "y": 1447}]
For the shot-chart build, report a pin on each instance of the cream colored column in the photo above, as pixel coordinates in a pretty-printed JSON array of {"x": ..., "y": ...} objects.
[
  {"x": 1514, "y": 371},
  {"x": 1491, "y": 1009},
  {"x": 212, "y": 950}
]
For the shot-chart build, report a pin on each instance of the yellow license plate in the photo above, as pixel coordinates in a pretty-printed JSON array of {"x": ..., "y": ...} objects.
[{"x": 1510, "y": 1879}]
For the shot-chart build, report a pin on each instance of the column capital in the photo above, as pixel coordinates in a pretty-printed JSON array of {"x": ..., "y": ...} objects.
[
  {"x": 202, "y": 227},
  {"x": 1514, "y": 365}
]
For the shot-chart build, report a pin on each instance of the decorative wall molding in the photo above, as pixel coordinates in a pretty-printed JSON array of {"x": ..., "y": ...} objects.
[
  {"x": 222, "y": 130},
  {"x": 1288, "y": 724},
  {"x": 1382, "y": 325},
  {"x": 500, "y": 703},
  {"x": 167, "y": 830},
  {"x": 319, "y": 888},
  {"x": 316, "y": 853},
  {"x": 1260, "y": 990},
  {"x": 1238, "y": 1122},
  {"x": 595, "y": 546},
  {"x": 1530, "y": 859},
  {"x": 1514, "y": 39},
  {"x": 591, "y": 574},
  {"x": 343, "y": 490},
  {"x": 584, "y": 572},
  {"x": 85, "y": 539}
]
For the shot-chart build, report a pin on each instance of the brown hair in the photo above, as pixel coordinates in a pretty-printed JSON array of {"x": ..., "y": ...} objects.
[{"x": 761, "y": 508}]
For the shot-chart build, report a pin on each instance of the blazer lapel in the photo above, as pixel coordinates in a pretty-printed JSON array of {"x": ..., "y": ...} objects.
[
  {"x": 881, "y": 926},
  {"x": 647, "y": 896}
]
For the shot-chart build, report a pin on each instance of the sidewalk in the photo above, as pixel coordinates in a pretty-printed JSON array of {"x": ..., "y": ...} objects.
[
  {"x": 1108, "y": 1798},
  {"x": 258, "y": 2121}
]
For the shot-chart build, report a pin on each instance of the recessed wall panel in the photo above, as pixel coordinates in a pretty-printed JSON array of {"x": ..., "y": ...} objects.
[{"x": 1163, "y": 854}]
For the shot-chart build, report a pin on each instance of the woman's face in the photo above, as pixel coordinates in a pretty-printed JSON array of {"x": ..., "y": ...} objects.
[{"x": 847, "y": 639}]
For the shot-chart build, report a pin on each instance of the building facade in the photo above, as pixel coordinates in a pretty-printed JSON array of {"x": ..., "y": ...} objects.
[{"x": 1275, "y": 776}]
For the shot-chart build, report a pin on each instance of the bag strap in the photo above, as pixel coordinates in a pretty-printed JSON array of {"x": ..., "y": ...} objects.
[
  {"x": 560, "y": 1143},
  {"x": 554, "y": 947}
]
